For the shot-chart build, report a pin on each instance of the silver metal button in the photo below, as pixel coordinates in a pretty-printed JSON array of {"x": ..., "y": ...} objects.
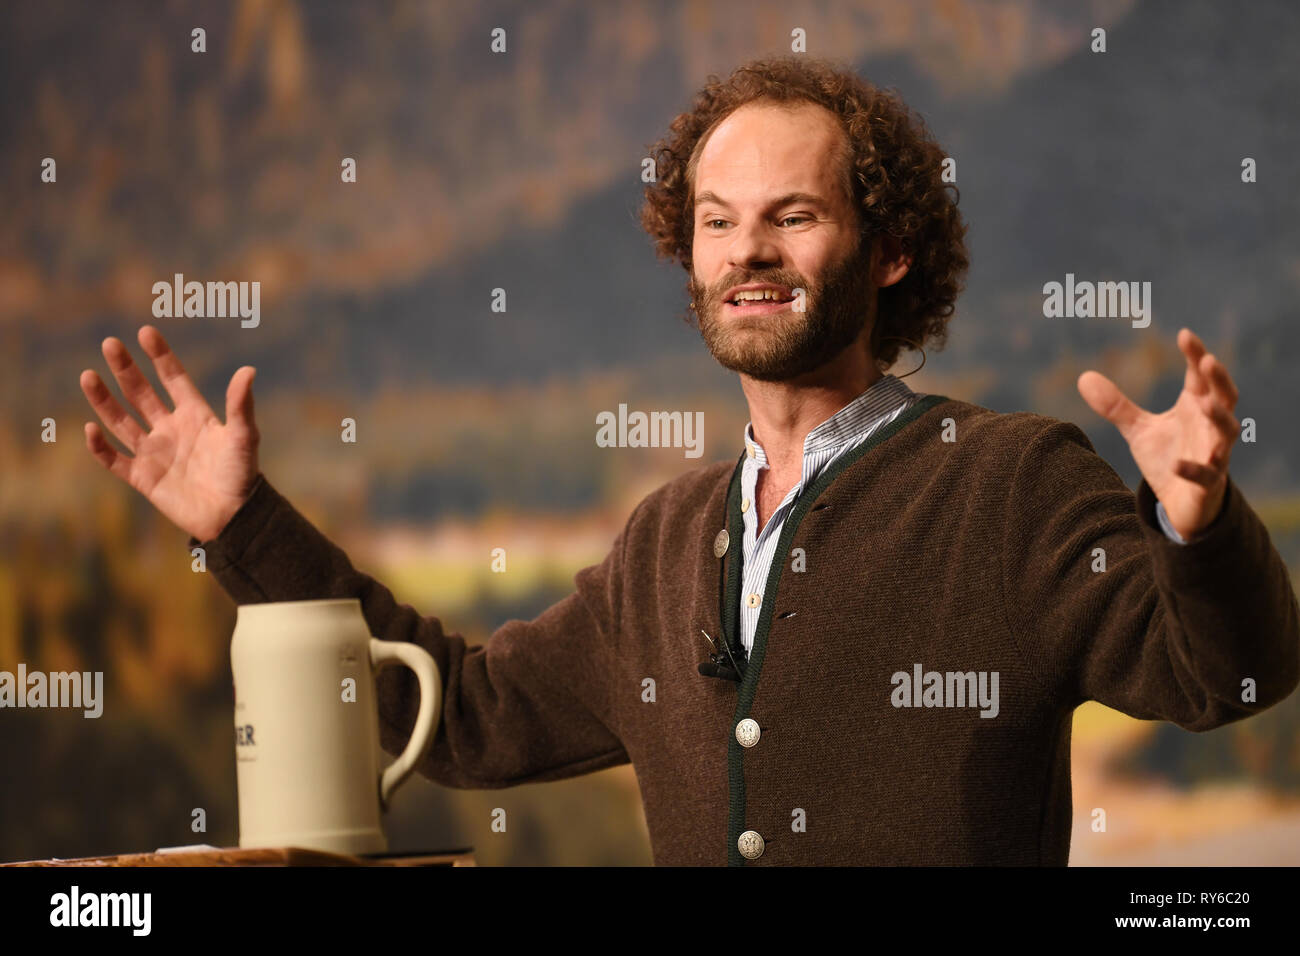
[
  {"x": 750, "y": 845},
  {"x": 720, "y": 543},
  {"x": 748, "y": 732}
]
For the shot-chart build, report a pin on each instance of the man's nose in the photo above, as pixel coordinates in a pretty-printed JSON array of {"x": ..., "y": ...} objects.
[{"x": 753, "y": 247}]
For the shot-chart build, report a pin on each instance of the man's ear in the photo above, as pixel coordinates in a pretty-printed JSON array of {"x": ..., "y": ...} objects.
[{"x": 888, "y": 262}]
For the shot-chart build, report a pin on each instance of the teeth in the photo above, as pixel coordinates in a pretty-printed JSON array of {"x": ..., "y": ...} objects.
[{"x": 758, "y": 295}]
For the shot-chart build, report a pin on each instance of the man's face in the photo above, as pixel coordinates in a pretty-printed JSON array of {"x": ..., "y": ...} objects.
[{"x": 750, "y": 228}]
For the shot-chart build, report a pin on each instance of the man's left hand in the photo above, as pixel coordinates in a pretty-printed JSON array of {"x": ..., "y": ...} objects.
[{"x": 1182, "y": 453}]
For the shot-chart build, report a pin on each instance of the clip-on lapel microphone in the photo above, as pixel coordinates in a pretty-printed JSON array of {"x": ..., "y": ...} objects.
[{"x": 718, "y": 666}]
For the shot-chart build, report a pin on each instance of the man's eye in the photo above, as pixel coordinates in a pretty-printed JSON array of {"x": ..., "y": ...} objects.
[{"x": 709, "y": 223}]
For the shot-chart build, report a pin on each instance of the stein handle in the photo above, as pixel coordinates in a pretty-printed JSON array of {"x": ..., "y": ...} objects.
[{"x": 426, "y": 721}]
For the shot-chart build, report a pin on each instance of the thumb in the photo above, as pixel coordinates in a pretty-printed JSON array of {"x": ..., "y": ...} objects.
[
  {"x": 239, "y": 399},
  {"x": 1104, "y": 397}
]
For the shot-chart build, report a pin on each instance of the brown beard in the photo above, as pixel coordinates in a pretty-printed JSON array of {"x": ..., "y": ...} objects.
[{"x": 780, "y": 347}]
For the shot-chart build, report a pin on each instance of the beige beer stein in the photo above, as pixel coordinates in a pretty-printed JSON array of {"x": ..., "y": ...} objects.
[{"x": 307, "y": 725}]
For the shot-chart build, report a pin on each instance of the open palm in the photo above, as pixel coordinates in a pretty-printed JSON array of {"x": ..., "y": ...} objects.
[
  {"x": 1182, "y": 453},
  {"x": 191, "y": 467}
]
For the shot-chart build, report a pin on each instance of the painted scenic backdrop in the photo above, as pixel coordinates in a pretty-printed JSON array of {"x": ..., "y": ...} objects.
[{"x": 476, "y": 428}]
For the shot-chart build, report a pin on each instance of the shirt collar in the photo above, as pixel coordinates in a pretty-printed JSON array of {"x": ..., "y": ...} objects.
[{"x": 883, "y": 396}]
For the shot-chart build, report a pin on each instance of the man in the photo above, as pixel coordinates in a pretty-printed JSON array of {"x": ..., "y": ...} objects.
[{"x": 867, "y": 636}]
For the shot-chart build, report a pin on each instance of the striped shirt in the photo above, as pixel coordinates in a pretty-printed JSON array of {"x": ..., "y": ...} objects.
[{"x": 880, "y": 404}]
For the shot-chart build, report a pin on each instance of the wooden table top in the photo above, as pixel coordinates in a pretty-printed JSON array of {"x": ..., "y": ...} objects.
[{"x": 262, "y": 856}]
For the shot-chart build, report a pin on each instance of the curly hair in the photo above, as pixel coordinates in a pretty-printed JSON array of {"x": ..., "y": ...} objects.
[{"x": 893, "y": 174}]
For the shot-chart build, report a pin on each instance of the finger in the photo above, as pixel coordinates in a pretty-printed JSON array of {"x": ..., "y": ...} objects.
[
  {"x": 1223, "y": 419},
  {"x": 1194, "y": 349},
  {"x": 1221, "y": 383},
  {"x": 124, "y": 428},
  {"x": 1204, "y": 475},
  {"x": 106, "y": 454},
  {"x": 135, "y": 387},
  {"x": 1228, "y": 429},
  {"x": 1105, "y": 398},
  {"x": 170, "y": 371},
  {"x": 239, "y": 400}
]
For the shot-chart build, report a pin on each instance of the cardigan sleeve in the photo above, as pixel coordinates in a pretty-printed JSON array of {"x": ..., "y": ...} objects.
[
  {"x": 531, "y": 704},
  {"x": 1106, "y": 607}
]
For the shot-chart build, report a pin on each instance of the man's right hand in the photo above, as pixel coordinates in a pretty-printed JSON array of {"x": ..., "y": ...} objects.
[{"x": 195, "y": 470}]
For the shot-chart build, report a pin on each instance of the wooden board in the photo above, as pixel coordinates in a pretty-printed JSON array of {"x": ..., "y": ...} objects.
[{"x": 263, "y": 856}]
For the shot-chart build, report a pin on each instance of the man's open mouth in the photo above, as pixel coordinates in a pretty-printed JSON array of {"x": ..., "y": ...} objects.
[{"x": 758, "y": 303}]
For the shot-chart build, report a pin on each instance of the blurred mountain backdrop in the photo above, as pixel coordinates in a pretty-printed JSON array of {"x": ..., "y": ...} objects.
[{"x": 521, "y": 171}]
